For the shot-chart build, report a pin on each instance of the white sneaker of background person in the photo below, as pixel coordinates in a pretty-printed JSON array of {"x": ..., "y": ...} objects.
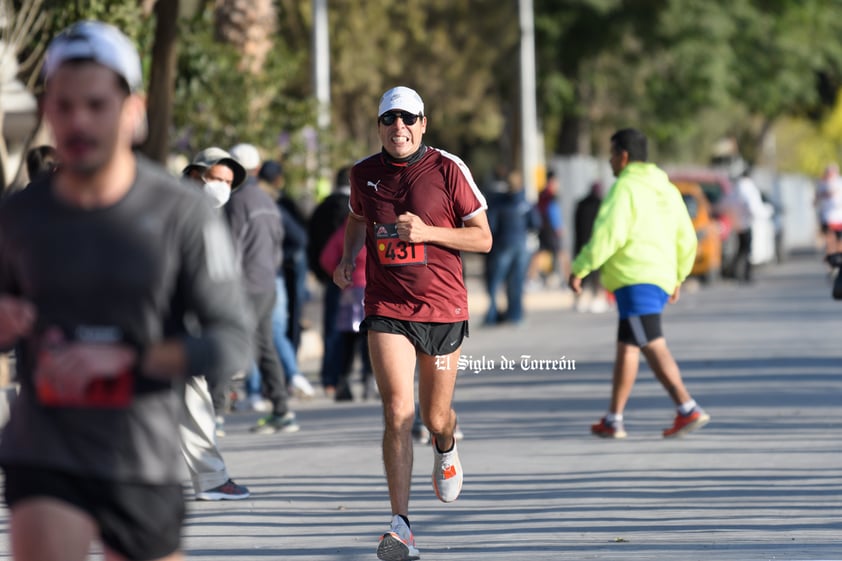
[
  {"x": 398, "y": 544},
  {"x": 302, "y": 386},
  {"x": 599, "y": 305},
  {"x": 447, "y": 473},
  {"x": 254, "y": 402}
]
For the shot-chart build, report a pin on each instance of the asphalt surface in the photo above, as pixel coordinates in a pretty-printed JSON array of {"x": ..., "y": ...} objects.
[{"x": 762, "y": 481}]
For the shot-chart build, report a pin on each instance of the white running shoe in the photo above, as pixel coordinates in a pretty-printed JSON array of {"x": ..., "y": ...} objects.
[
  {"x": 302, "y": 386},
  {"x": 398, "y": 544},
  {"x": 447, "y": 474},
  {"x": 253, "y": 403}
]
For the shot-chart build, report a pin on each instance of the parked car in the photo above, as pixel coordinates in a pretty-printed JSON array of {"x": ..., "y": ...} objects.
[
  {"x": 708, "y": 263},
  {"x": 719, "y": 191}
]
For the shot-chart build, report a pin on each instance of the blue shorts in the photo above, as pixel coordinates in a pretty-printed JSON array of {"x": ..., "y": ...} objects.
[{"x": 640, "y": 300}]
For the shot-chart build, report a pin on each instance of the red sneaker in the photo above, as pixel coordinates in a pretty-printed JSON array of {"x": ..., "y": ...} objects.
[
  {"x": 604, "y": 429},
  {"x": 695, "y": 419}
]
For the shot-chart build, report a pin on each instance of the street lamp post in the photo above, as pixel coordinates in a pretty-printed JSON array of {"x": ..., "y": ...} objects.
[
  {"x": 321, "y": 78},
  {"x": 528, "y": 113}
]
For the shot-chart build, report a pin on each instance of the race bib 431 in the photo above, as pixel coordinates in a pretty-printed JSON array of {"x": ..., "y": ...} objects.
[{"x": 393, "y": 252}]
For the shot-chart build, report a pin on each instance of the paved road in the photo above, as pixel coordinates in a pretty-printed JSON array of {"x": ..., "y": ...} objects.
[{"x": 762, "y": 481}]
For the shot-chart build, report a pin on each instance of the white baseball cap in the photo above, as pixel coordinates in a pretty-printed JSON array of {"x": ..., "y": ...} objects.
[
  {"x": 247, "y": 154},
  {"x": 401, "y": 98},
  {"x": 99, "y": 42}
]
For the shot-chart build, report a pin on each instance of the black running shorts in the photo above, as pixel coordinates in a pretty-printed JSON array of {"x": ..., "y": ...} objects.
[
  {"x": 139, "y": 521},
  {"x": 640, "y": 330},
  {"x": 434, "y": 339}
]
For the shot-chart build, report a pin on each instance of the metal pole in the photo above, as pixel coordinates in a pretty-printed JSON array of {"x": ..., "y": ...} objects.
[
  {"x": 321, "y": 77},
  {"x": 321, "y": 57},
  {"x": 528, "y": 111}
]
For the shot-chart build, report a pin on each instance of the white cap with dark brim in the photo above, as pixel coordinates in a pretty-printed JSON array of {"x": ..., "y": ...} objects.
[
  {"x": 99, "y": 42},
  {"x": 402, "y": 99}
]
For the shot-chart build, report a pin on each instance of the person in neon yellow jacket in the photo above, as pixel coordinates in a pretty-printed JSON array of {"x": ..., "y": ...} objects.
[{"x": 644, "y": 245}]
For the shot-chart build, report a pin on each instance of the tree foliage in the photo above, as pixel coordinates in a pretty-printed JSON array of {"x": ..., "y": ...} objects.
[
  {"x": 685, "y": 71},
  {"x": 217, "y": 103},
  {"x": 458, "y": 55}
]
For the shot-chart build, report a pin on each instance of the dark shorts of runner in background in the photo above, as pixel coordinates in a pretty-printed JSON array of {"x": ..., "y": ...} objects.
[
  {"x": 139, "y": 521},
  {"x": 640, "y": 330},
  {"x": 434, "y": 339}
]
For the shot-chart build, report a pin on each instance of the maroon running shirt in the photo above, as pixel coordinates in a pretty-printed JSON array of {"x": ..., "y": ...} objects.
[{"x": 415, "y": 282}]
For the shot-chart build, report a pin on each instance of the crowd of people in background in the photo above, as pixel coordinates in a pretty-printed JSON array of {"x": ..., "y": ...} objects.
[{"x": 529, "y": 253}]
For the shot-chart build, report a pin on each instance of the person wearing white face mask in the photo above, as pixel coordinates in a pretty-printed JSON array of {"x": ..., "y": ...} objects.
[
  {"x": 218, "y": 191},
  {"x": 216, "y": 172}
]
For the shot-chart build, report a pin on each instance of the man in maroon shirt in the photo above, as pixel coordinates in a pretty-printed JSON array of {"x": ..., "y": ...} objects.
[{"x": 414, "y": 208}]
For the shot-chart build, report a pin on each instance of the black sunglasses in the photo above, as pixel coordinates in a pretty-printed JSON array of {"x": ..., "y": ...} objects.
[{"x": 389, "y": 119}]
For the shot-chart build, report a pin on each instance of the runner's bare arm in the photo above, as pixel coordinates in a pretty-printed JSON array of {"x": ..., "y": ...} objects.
[
  {"x": 354, "y": 241},
  {"x": 474, "y": 236}
]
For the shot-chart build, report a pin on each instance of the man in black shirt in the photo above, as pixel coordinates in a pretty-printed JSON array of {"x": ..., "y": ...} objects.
[
  {"x": 329, "y": 215},
  {"x": 100, "y": 264}
]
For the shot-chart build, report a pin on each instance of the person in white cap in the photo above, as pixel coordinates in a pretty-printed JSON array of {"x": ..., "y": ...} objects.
[
  {"x": 285, "y": 300},
  {"x": 415, "y": 208},
  {"x": 258, "y": 233},
  {"x": 101, "y": 263}
]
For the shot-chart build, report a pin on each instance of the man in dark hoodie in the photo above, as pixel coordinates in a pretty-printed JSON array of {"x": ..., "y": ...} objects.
[{"x": 255, "y": 223}]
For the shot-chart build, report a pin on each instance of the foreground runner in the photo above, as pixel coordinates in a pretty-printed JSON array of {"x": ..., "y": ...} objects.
[
  {"x": 100, "y": 263},
  {"x": 414, "y": 208}
]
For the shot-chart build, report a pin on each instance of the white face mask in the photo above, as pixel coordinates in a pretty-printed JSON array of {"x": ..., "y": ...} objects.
[{"x": 218, "y": 191}]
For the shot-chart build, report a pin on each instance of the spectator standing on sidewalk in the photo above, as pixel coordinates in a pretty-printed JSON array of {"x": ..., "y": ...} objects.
[
  {"x": 349, "y": 317},
  {"x": 40, "y": 159},
  {"x": 550, "y": 235},
  {"x": 293, "y": 236},
  {"x": 829, "y": 204},
  {"x": 645, "y": 245},
  {"x": 329, "y": 215},
  {"x": 100, "y": 265},
  {"x": 294, "y": 268},
  {"x": 510, "y": 218},
  {"x": 747, "y": 206},
  {"x": 414, "y": 208},
  {"x": 215, "y": 172},
  {"x": 255, "y": 223},
  {"x": 592, "y": 297}
]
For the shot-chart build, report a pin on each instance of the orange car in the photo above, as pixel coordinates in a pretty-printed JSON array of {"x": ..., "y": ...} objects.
[{"x": 709, "y": 251}]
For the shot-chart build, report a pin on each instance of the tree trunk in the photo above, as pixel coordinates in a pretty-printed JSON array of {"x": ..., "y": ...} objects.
[
  {"x": 249, "y": 25},
  {"x": 574, "y": 136},
  {"x": 162, "y": 81}
]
